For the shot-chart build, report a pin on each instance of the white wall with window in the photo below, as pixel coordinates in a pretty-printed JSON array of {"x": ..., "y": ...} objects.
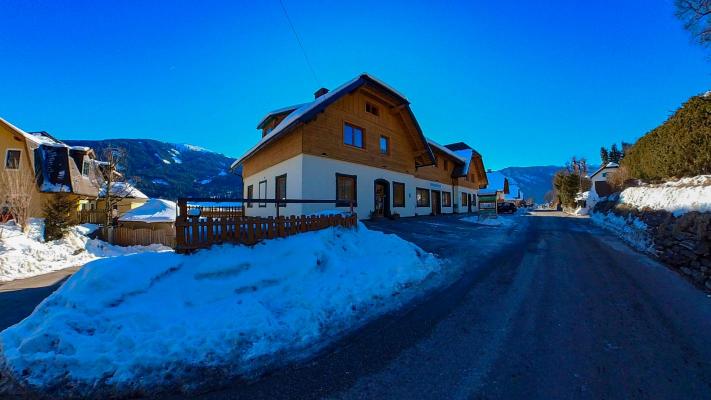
[{"x": 292, "y": 169}]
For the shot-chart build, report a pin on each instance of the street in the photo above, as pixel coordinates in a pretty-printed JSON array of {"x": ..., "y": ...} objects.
[{"x": 562, "y": 310}]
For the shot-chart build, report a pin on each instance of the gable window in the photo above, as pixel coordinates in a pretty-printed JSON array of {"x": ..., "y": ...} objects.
[
  {"x": 250, "y": 195},
  {"x": 446, "y": 199},
  {"x": 423, "y": 197},
  {"x": 280, "y": 189},
  {"x": 353, "y": 135},
  {"x": 465, "y": 199},
  {"x": 262, "y": 192},
  {"x": 372, "y": 109},
  {"x": 12, "y": 159},
  {"x": 398, "y": 194},
  {"x": 85, "y": 166},
  {"x": 346, "y": 190},
  {"x": 384, "y": 145}
]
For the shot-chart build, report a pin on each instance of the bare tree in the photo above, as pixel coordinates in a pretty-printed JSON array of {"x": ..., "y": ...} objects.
[
  {"x": 114, "y": 186},
  {"x": 17, "y": 189},
  {"x": 696, "y": 17}
]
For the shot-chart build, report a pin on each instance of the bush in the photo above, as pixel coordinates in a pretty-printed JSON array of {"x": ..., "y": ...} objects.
[
  {"x": 680, "y": 147},
  {"x": 57, "y": 217}
]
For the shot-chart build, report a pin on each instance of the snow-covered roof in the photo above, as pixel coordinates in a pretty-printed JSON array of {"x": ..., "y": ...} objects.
[
  {"x": 153, "y": 210},
  {"x": 277, "y": 112},
  {"x": 445, "y": 150},
  {"x": 27, "y": 136},
  {"x": 497, "y": 183},
  {"x": 123, "y": 189},
  {"x": 308, "y": 111},
  {"x": 611, "y": 165}
]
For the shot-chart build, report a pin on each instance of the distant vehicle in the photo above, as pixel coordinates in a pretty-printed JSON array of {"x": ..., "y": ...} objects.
[{"x": 506, "y": 208}]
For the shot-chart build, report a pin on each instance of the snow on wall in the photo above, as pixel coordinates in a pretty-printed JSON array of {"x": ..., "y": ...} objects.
[
  {"x": 155, "y": 319},
  {"x": 630, "y": 229},
  {"x": 677, "y": 197}
]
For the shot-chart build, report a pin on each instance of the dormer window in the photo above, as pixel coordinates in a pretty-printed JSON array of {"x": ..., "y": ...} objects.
[
  {"x": 85, "y": 166},
  {"x": 372, "y": 109}
]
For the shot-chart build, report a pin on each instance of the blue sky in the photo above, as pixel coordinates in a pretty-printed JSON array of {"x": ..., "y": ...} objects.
[{"x": 525, "y": 83}]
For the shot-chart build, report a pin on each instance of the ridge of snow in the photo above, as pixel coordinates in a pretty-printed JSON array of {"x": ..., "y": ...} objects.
[{"x": 676, "y": 196}]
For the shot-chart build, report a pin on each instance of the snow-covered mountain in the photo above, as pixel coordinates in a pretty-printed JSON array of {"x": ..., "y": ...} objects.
[
  {"x": 170, "y": 170},
  {"x": 533, "y": 181}
]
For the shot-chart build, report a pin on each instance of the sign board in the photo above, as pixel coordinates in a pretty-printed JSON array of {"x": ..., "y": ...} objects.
[{"x": 487, "y": 205}]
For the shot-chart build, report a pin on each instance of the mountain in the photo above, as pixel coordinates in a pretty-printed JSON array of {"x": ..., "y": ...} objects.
[
  {"x": 169, "y": 170},
  {"x": 533, "y": 181}
]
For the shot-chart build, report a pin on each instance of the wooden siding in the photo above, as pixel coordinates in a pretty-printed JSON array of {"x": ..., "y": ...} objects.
[
  {"x": 286, "y": 147},
  {"x": 437, "y": 172}
]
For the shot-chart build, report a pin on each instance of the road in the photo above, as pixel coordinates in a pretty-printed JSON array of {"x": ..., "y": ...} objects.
[{"x": 560, "y": 309}]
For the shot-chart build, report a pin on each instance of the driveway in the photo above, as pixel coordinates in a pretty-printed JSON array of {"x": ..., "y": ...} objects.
[{"x": 550, "y": 308}]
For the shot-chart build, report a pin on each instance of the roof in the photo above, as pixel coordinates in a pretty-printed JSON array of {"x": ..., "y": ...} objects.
[
  {"x": 446, "y": 151},
  {"x": 611, "y": 165},
  {"x": 497, "y": 183},
  {"x": 309, "y": 111},
  {"x": 153, "y": 210},
  {"x": 123, "y": 189},
  {"x": 465, "y": 152},
  {"x": 276, "y": 112}
]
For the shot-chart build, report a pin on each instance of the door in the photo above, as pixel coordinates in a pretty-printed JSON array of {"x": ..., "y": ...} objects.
[
  {"x": 436, "y": 200},
  {"x": 382, "y": 198}
]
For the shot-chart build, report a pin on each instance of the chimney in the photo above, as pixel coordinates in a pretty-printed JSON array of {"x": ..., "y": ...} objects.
[{"x": 320, "y": 92}]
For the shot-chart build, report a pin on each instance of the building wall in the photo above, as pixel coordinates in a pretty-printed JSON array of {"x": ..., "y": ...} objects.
[{"x": 293, "y": 168}]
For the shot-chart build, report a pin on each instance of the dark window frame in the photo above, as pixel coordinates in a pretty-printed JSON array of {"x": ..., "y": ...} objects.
[
  {"x": 465, "y": 199},
  {"x": 259, "y": 188},
  {"x": 372, "y": 109},
  {"x": 448, "y": 203},
  {"x": 85, "y": 167},
  {"x": 276, "y": 189},
  {"x": 18, "y": 160},
  {"x": 353, "y": 128},
  {"x": 425, "y": 198},
  {"x": 347, "y": 203},
  {"x": 401, "y": 184},
  {"x": 387, "y": 145},
  {"x": 250, "y": 195}
]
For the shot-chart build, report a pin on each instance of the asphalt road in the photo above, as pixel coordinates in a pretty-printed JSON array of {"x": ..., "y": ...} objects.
[{"x": 551, "y": 308}]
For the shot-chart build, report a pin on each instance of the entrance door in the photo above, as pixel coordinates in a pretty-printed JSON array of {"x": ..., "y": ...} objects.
[
  {"x": 436, "y": 199},
  {"x": 382, "y": 198}
]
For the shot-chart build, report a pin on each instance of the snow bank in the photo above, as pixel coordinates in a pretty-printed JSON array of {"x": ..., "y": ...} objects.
[
  {"x": 153, "y": 210},
  {"x": 630, "y": 229},
  {"x": 24, "y": 256},
  {"x": 498, "y": 221},
  {"x": 677, "y": 197},
  {"x": 157, "y": 320}
]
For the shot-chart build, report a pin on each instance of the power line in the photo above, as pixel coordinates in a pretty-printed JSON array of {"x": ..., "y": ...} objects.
[{"x": 301, "y": 45}]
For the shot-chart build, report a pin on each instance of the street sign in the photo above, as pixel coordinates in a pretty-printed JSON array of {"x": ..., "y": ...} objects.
[{"x": 487, "y": 205}]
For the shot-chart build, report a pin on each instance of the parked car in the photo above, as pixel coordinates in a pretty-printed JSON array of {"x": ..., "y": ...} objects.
[{"x": 506, "y": 208}]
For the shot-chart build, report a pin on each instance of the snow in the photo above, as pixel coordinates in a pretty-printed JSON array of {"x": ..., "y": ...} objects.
[
  {"x": 466, "y": 155},
  {"x": 177, "y": 160},
  {"x": 162, "y": 319},
  {"x": 497, "y": 221},
  {"x": 678, "y": 196},
  {"x": 123, "y": 189},
  {"x": 630, "y": 229},
  {"x": 215, "y": 203},
  {"x": 24, "y": 256},
  {"x": 190, "y": 147},
  {"x": 161, "y": 158},
  {"x": 278, "y": 111},
  {"x": 446, "y": 151},
  {"x": 153, "y": 210},
  {"x": 160, "y": 182},
  {"x": 205, "y": 181},
  {"x": 222, "y": 173},
  {"x": 54, "y": 188}
]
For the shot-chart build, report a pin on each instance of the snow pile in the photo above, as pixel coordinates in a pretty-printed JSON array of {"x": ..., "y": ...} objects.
[
  {"x": 153, "y": 210},
  {"x": 162, "y": 320},
  {"x": 498, "y": 221},
  {"x": 677, "y": 197},
  {"x": 629, "y": 229},
  {"x": 24, "y": 256}
]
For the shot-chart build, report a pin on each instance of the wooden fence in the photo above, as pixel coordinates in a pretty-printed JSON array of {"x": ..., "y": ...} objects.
[
  {"x": 124, "y": 236},
  {"x": 91, "y": 217},
  {"x": 196, "y": 233}
]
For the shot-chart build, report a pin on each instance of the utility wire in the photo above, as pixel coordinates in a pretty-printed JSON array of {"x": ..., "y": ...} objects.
[{"x": 301, "y": 45}]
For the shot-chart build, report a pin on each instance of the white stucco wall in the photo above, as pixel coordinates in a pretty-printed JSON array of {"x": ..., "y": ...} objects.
[{"x": 293, "y": 170}]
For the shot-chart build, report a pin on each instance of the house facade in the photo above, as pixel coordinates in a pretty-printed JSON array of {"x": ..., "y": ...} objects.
[
  {"x": 56, "y": 168},
  {"x": 498, "y": 185},
  {"x": 359, "y": 144}
]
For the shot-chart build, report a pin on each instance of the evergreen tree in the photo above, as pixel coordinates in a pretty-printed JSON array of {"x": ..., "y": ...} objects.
[
  {"x": 57, "y": 217},
  {"x": 604, "y": 155},
  {"x": 615, "y": 154}
]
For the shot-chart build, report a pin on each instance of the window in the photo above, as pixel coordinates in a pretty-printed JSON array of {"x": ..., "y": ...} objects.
[
  {"x": 85, "y": 166},
  {"x": 352, "y": 135},
  {"x": 423, "y": 197},
  {"x": 250, "y": 195},
  {"x": 465, "y": 199},
  {"x": 346, "y": 190},
  {"x": 604, "y": 174},
  {"x": 280, "y": 188},
  {"x": 370, "y": 108},
  {"x": 398, "y": 194},
  {"x": 12, "y": 159},
  {"x": 384, "y": 145},
  {"x": 262, "y": 192},
  {"x": 446, "y": 199}
]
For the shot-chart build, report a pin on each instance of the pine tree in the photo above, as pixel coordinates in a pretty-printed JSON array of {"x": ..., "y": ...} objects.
[
  {"x": 57, "y": 217},
  {"x": 604, "y": 155},
  {"x": 615, "y": 154}
]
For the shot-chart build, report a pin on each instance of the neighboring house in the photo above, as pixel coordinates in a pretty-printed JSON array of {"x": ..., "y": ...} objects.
[
  {"x": 56, "y": 167},
  {"x": 599, "y": 186},
  {"x": 515, "y": 194},
  {"x": 359, "y": 144},
  {"x": 498, "y": 185},
  {"x": 154, "y": 214},
  {"x": 129, "y": 197}
]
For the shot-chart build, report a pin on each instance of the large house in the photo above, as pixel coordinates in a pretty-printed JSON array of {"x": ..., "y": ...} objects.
[
  {"x": 359, "y": 145},
  {"x": 56, "y": 168}
]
